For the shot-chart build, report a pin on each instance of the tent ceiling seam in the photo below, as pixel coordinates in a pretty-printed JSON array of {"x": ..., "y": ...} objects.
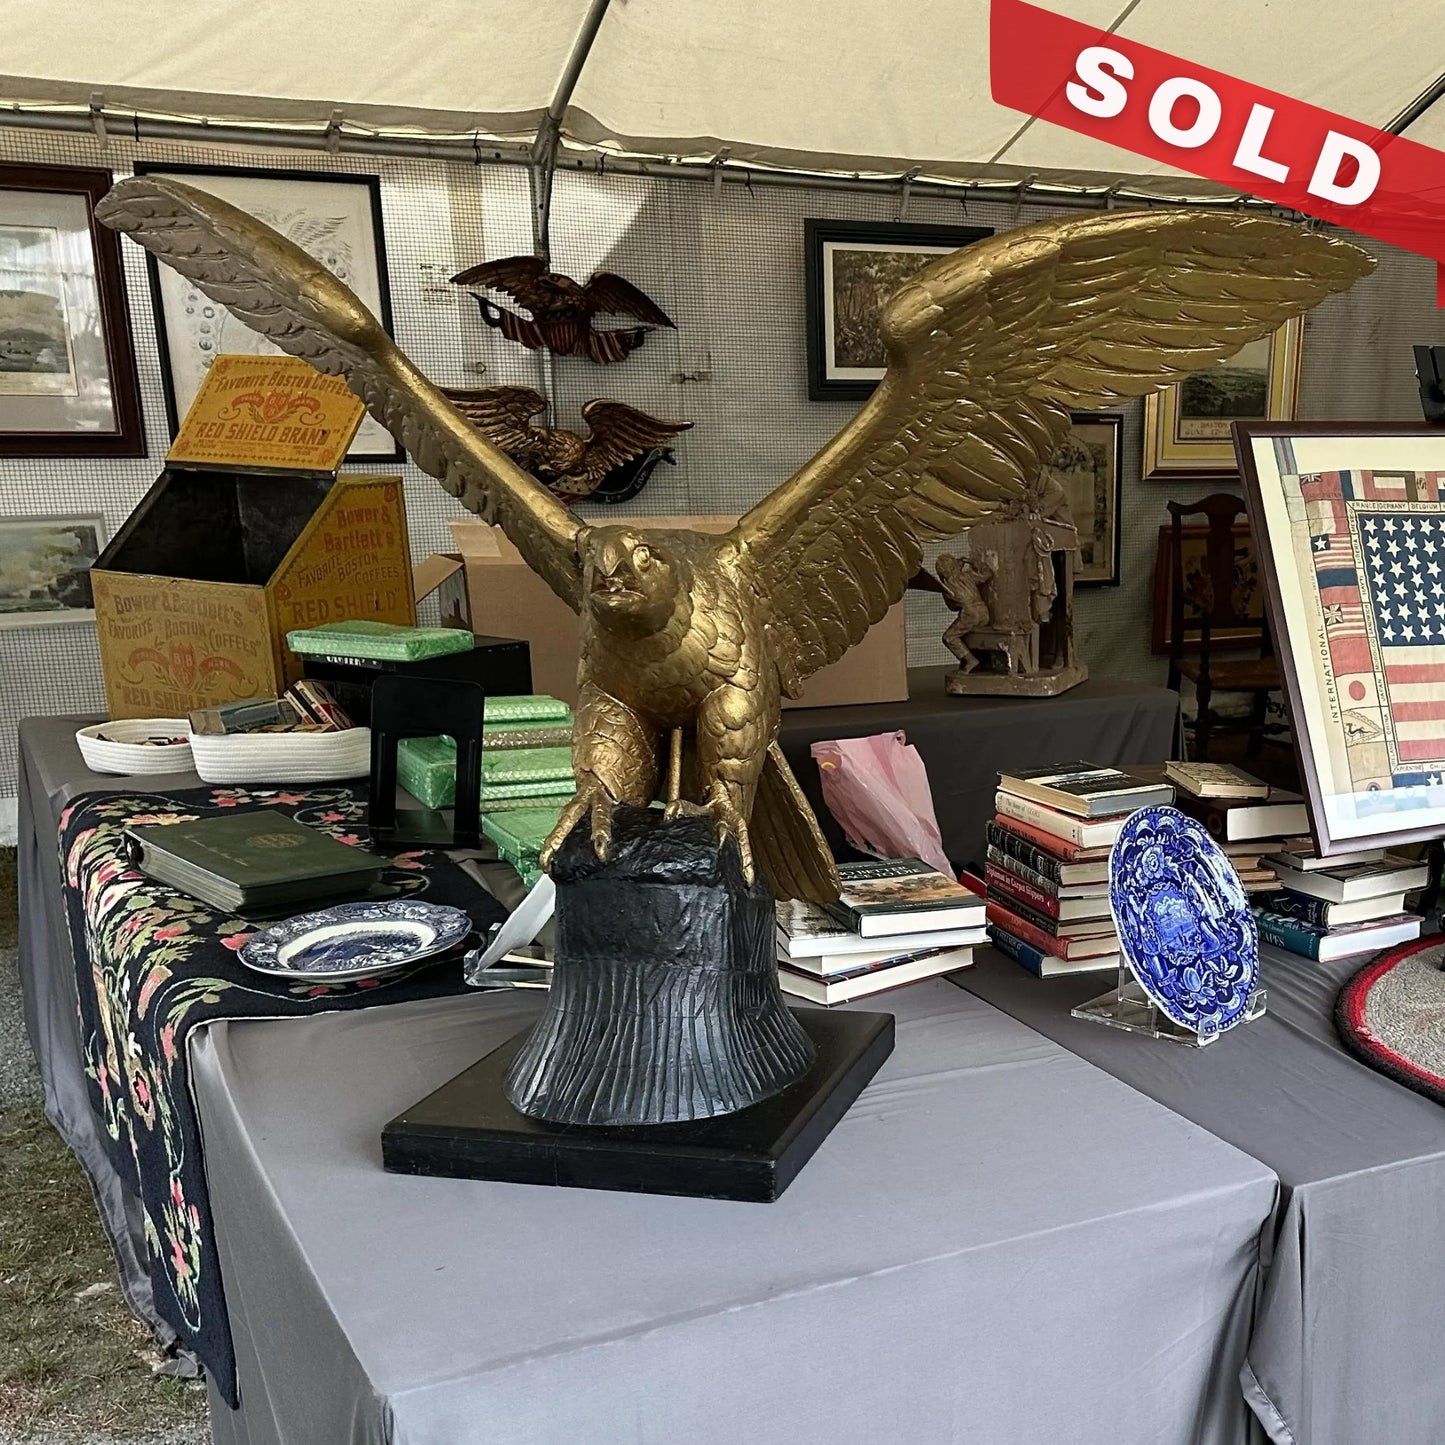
[{"x": 1113, "y": 29}]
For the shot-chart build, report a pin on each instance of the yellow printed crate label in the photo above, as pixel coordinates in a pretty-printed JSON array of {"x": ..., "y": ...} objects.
[
  {"x": 169, "y": 645},
  {"x": 269, "y": 411},
  {"x": 352, "y": 562}
]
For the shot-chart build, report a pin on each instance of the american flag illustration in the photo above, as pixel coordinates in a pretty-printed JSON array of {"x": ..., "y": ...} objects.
[{"x": 1378, "y": 545}]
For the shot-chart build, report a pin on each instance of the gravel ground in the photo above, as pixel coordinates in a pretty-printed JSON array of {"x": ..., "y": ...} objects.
[{"x": 25, "y": 1291}]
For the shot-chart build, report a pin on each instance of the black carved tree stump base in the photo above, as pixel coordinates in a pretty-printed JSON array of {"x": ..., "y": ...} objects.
[
  {"x": 665, "y": 1061},
  {"x": 664, "y": 1005}
]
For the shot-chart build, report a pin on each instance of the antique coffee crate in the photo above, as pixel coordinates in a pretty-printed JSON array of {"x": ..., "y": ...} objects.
[{"x": 247, "y": 534}]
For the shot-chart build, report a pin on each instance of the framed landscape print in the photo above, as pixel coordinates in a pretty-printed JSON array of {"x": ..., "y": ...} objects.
[
  {"x": 1349, "y": 519},
  {"x": 1187, "y": 427},
  {"x": 1087, "y": 468},
  {"x": 45, "y": 569},
  {"x": 67, "y": 371},
  {"x": 1248, "y": 591},
  {"x": 334, "y": 218},
  {"x": 851, "y": 269}
]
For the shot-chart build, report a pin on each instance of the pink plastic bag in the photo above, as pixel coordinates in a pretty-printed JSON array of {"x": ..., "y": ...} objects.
[{"x": 877, "y": 789}]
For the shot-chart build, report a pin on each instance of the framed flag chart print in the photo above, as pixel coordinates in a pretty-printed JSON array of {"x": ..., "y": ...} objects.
[{"x": 1349, "y": 520}]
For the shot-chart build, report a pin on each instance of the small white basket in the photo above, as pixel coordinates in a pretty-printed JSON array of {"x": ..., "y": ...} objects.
[
  {"x": 283, "y": 757},
  {"x": 123, "y": 748}
]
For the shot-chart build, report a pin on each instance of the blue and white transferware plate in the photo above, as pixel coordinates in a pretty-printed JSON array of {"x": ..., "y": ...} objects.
[
  {"x": 355, "y": 940},
  {"x": 1184, "y": 922}
]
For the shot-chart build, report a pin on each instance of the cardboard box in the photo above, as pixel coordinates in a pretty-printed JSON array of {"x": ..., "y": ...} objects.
[
  {"x": 246, "y": 534},
  {"x": 485, "y": 585}
]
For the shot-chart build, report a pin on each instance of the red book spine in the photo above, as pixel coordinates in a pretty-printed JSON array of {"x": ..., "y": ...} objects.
[
  {"x": 1047, "y": 943},
  {"x": 999, "y": 880}
]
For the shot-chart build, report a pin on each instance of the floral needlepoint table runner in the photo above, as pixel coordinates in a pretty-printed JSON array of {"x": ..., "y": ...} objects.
[{"x": 152, "y": 964}]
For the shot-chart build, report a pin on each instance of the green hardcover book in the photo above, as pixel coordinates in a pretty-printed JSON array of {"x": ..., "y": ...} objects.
[
  {"x": 253, "y": 860},
  {"x": 527, "y": 707},
  {"x": 379, "y": 641},
  {"x": 519, "y": 835}
]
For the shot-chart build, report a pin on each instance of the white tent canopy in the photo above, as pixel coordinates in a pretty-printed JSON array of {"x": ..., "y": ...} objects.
[{"x": 834, "y": 85}]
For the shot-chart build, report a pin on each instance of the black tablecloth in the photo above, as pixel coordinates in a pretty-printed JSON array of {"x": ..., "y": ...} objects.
[{"x": 966, "y": 741}]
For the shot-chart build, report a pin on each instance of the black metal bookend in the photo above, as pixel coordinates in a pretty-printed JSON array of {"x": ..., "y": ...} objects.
[{"x": 423, "y": 707}]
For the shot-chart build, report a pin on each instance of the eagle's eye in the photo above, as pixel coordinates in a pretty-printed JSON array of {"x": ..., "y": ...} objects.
[{"x": 642, "y": 558}]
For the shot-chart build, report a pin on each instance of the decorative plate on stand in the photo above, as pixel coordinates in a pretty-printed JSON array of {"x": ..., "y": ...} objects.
[
  {"x": 355, "y": 940},
  {"x": 1185, "y": 927}
]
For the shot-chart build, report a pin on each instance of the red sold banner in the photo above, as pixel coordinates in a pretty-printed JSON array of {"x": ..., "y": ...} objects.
[{"x": 1205, "y": 122}]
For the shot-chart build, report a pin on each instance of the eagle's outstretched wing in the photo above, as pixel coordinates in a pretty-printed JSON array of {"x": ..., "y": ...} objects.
[
  {"x": 295, "y": 302},
  {"x": 502, "y": 413},
  {"x": 617, "y": 296},
  {"x": 988, "y": 349},
  {"x": 617, "y": 433}
]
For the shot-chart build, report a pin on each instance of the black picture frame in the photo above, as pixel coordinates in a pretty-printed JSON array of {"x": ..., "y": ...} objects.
[
  {"x": 127, "y": 437},
  {"x": 1113, "y": 423},
  {"x": 372, "y": 183},
  {"x": 824, "y": 384}
]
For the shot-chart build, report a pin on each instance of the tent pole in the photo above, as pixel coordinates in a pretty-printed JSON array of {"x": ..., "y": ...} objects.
[
  {"x": 473, "y": 149},
  {"x": 1417, "y": 107},
  {"x": 549, "y": 133}
]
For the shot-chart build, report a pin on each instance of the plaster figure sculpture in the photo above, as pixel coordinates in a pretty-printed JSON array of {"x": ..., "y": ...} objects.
[
  {"x": 1014, "y": 633},
  {"x": 690, "y": 641}
]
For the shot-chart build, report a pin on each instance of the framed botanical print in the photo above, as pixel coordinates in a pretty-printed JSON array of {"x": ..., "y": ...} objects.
[
  {"x": 851, "y": 269},
  {"x": 1187, "y": 427},
  {"x": 67, "y": 371},
  {"x": 1349, "y": 520},
  {"x": 335, "y": 218},
  {"x": 45, "y": 569},
  {"x": 1086, "y": 466}
]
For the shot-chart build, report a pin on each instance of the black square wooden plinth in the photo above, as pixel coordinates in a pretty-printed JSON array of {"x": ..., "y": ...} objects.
[{"x": 468, "y": 1130}]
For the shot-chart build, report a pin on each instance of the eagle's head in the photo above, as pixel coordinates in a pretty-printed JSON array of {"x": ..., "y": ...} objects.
[{"x": 631, "y": 580}]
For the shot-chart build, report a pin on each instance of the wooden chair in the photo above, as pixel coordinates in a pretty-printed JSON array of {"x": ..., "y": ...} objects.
[{"x": 1212, "y": 596}]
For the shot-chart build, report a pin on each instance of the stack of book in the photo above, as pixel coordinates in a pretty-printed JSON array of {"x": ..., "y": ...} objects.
[
  {"x": 526, "y": 758},
  {"x": 1328, "y": 908},
  {"x": 897, "y": 921},
  {"x": 1047, "y": 868},
  {"x": 1247, "y": 817}
]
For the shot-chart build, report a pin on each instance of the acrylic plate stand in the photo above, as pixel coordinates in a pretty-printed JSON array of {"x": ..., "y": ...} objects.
[{"x": 1128, "y": 1007}]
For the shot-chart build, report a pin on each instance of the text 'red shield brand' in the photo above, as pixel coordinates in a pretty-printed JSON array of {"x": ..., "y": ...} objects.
[{"x": 1209, "y": 124}]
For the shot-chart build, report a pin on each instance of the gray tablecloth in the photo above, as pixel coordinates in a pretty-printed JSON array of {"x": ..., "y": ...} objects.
[
  {"x": 999, "y": 1243},
  {"x": 965, "y": 741},
  {"x": 1347, "y": 1347}
]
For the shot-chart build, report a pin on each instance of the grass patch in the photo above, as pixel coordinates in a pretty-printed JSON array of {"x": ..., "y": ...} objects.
[
  {"x": 72, "y": 1363},
  {"x": 9, "y": 900}
]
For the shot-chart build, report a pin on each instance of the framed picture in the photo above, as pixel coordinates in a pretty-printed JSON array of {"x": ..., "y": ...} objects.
[
  {"x": 1349, "y": 519},
  {"x": 335, "y": 218},
  {"x": 45, "y": 569},
  {"x": 1087, "y": 468},
  {"x": 67, "y": 371},
  {"x": 1187, "y": 427},
  {"x": 1248, "y": 591},
  {"x": 851, "y": 269}
]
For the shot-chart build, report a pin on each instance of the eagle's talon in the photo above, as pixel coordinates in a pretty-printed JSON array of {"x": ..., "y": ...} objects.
[{"x": 591, "y": 801}]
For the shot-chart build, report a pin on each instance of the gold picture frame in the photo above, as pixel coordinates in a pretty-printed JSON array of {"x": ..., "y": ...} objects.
[{"x": 1187, "y": 427}]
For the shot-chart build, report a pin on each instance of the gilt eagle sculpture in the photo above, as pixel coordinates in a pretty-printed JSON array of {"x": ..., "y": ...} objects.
[
  {"x": 563, "y": 312},
  {"x": 570, "y": 465},
  {"x": 698, "y": 637}
]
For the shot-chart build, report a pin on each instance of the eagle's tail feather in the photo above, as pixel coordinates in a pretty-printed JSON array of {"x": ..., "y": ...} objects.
[{"x": 788, "y": 845}]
